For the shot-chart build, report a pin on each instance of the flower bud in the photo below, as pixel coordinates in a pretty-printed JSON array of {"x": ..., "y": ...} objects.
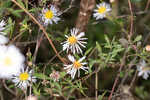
[
  {"x": 31, "y": 98},
  {"x": 111, "y": 1},
  {"x": 147, "y": 48}
]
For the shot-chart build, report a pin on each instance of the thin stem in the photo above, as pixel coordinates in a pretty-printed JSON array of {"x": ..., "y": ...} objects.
[
  {"x": 38, "y": 42},
  {"x": 118, "y": 75},
  {"x": 134, "y": 77},
  {"x": 25, "y": 93},
  {"x": 147, "y": 5},
  {"x": 1, "y": 95},
  {"x": 9, "y": 90},
  {"x": 96, "y": 86},
  {"x": 131, "y": 20}
]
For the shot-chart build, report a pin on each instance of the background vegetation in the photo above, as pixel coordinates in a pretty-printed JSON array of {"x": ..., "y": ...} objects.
[{"x": 115, "y": 46}]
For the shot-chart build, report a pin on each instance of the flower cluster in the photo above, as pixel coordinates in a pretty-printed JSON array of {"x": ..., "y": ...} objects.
[
  {"x": 51, "y": 15},
  {"x": 73, "y": 43},
  {"x": 76, "y": 40},
  {"x": 12, "y": 63}
]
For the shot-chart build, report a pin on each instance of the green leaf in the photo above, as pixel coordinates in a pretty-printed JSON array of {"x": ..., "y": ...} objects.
[
  {"x": 100, "y": 97},
  {"x": 62, "y": 74},
  {"x": 88, "y": 51},
  {"x": 121, "y": 74},
  {"x": 107, "y": 39},
  {"x": 17, "y": 13},
  {"x": 21, "y": 3},
  {"x": 35, "y": 90},
  {"x": 98, "y": 47},
  {"x": 138, "y": 38},
  {"x": 9, "y": 28},
  {"x": 41, "y": 76},
  {"x": 66, "y": 31}
]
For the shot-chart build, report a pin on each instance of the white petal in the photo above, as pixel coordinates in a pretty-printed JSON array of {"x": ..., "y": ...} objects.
[
  {"x": 140, "y": 73},
  {"x": 81, "y": 35},
  {"x": 81, "y": 59},
  {"x": 71, "y": 58}
]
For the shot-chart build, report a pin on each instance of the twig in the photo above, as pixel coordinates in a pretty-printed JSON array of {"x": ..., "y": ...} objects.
[
  {"x": 41, "y": 27},
  {"x": 16, "y": 37},
  {"x": 9, "y": 90},
  {"x": 131, "y": 20},
  {"x": 86, "y": 77},
  {"x": 1, "y": 95},
  {"x": 70, "y": 6},
  {"x": 136, "y": 13},
  {"x": 49, "y": 62},
  {"x": 134, "y": 77},
  {"x": 147, "y": 5},
  {"x": 96, "y": 86},
  {"x": 146, "y": 38},
  {"x": 25, "y": 93},
  {"x": 38, "y": 42},
  {"x": 129, "y": 68},
  {"x": 118, "y": 75},
  {"x": 25, "y": 43}
]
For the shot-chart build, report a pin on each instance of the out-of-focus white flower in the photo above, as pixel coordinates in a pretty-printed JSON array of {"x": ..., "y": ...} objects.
[
  {"x": 50, "y": 15},
  {"x": 11, "y": 61},
  {"x": 75, "y": 66},
  {"x": 74, "y": 41},
  {"x": 101, "y": 10},
  {"x": 3, "y": 40},
  {"x": 23, "y": 79},
  {"x": 55, "y": 75},
  {"x": 144, "y": 71}
]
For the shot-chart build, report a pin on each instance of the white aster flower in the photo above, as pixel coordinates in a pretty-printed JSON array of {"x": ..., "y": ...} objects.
[
  {"x": 11, "y": 61},
  {"x": 101, "y": 11},
  {"x": 3, "y": 40},
  {"x": 74, "y": 41},
  {"x": 75, "y": 66},
  {"x": 24, "y": 78},
  {"x": 50, "y": 15},
  {"x": 144, "y": 71}
]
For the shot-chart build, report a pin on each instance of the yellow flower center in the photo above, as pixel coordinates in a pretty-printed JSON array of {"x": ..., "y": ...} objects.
[
  {"x": 102, "y": 10},
  {"x": 77, "y": 64},
  {"x": 7, "y": 61},
  {"x": 24, "y": 76},
  {"x": 49, "y": 14},
  {"x": 72, "y": 40}
]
